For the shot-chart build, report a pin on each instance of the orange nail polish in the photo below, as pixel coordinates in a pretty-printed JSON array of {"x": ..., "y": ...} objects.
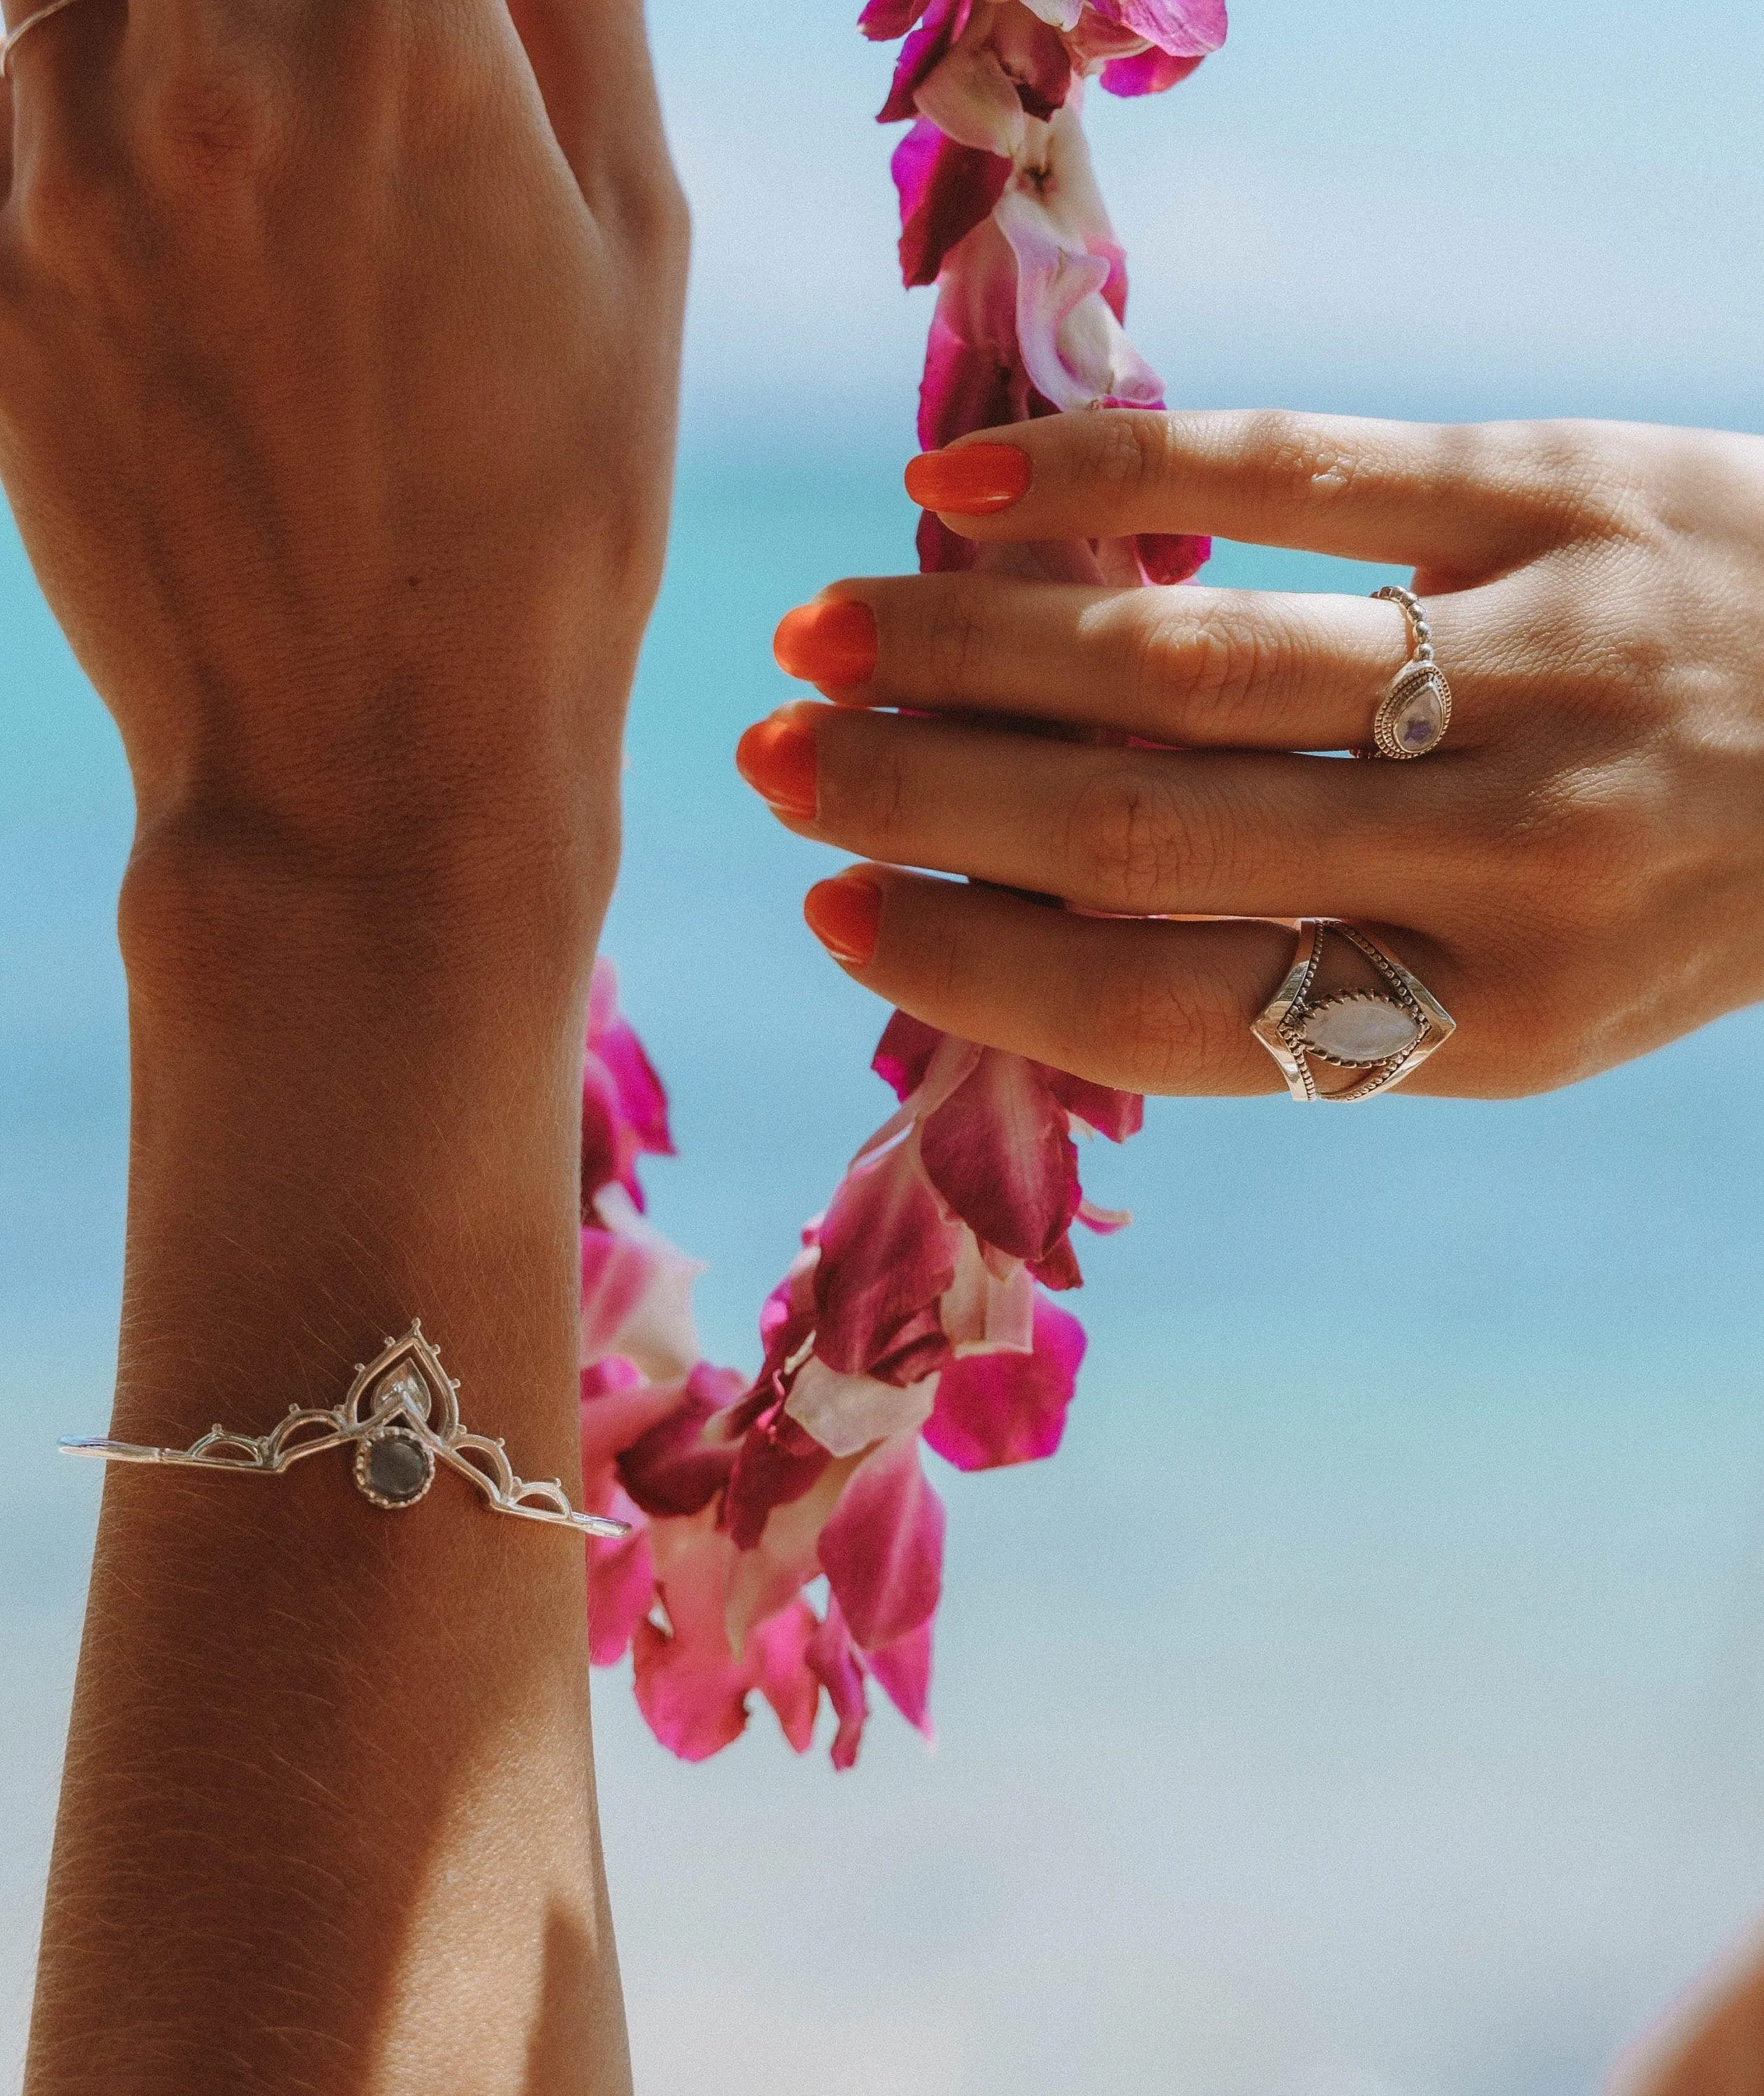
[
  {"x": 845, "y": 915},
  {"x": 827, "y": 644},
  {"x": 777, "y": 759},
  {"x": 970, "y": 480}
]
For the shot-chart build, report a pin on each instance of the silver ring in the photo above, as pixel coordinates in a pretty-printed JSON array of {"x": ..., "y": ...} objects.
[
  {"x": 1417, "y": 709},
  {"x": 29, "y": 22},
  {"x": 1388, "y": 1037}
]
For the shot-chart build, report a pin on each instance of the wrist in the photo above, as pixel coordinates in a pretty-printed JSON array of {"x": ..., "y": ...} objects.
[{"x": 356, "y": 1091}]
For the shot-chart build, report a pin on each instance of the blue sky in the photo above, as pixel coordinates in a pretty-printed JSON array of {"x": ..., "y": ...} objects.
[{"x": 1367, "y": 1702}]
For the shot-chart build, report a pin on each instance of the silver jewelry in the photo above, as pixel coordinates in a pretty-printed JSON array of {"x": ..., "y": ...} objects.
[
  {"x": 1417, "y": 708},
  {"x": 402, "y": 1416},
  {"x": 1388, "y": 1037},
  {"x": 29, "y": 22}
]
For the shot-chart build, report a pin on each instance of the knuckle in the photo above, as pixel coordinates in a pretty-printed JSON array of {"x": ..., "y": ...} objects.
[
  {"x": 1133, "y": 838},
  {"x": 955, "y": 643},
  {"x": 1299, "y": 455},
  {"x": 865, "y": 791},
  {"x": 1221, "y": 661},
  {"x": 217, "y": 126},
  {"x": 1126, "y": 449}
]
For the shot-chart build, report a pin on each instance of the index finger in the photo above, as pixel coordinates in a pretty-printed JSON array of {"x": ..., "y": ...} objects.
[{"x": 1460, "y": 500}]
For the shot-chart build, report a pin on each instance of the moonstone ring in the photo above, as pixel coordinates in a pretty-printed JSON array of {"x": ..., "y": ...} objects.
[
  {"x": 1417, "y": 709},
  {"x": 1387, "y": 1037}
]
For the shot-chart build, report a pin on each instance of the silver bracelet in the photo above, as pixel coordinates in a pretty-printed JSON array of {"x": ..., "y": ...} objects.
[{"x": 402, "y": 1415}]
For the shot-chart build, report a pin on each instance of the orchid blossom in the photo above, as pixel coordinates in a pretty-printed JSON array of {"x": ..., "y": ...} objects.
[{"x": 921, "y": 1307}]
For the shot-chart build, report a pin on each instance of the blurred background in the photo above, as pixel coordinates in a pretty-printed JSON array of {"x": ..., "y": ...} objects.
[{"x": 1369, "y": 1700}]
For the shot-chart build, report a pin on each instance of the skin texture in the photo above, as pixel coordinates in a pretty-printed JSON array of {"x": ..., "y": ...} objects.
[
  {"x": 1576, "y": 873},
  {"x": 337, "y": 348}
]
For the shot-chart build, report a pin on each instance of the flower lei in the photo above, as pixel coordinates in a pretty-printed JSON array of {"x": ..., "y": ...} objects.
[{"x": 920, "y": 1306}]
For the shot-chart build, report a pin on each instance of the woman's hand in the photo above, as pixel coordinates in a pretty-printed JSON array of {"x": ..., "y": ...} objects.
[
  {"x": 1578, "y": 873},
  {"x": 336, "y": 377}
]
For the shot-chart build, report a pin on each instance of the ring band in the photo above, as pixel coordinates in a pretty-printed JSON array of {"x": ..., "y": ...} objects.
[
  {"x": 402, "y": 1415},
  {"x": 29, "y": 23},
  {"x": 1388, "y": 1037},
  {"x": 1417, "y": 709}
]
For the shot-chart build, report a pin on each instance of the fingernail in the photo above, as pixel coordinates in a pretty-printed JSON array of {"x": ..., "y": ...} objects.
[
  {"x": 777, "y": 759},
  {"x": 971, "y": 480},
  {"x": 827, "y": 644},
  {"x": 845, "y": 914}
]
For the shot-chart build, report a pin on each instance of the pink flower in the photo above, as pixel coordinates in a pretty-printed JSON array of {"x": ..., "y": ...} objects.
[
  {"x": 920, "y": 1308},
  {"x": 624, "y": 1107}
]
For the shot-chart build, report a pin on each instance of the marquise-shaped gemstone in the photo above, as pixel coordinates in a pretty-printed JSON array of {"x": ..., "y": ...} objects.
[
  {"x": 407, "y": 1384},
  {"x": 1360, "y": 1030}
]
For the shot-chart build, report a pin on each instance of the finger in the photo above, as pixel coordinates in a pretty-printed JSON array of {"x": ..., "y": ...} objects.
[
  {"x": 1160, "y": 1008},
  {"x": 1249, "y": 669},
  {"x": 1128, "y": 832},
  {"x": 1462, "y": 501}
]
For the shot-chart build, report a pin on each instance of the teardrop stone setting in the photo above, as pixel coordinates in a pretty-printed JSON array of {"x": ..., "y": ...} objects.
[
  {"x": 1413, "y": 719},
  {"x": 1360, "y": 1031}
]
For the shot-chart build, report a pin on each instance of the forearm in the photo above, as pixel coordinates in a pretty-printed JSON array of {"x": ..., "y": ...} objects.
[{"x": 330, "y": 1762}]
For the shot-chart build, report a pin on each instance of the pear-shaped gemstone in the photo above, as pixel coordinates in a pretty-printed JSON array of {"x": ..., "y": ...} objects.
[
  {"x": 1360, "y": 1030},
  {"x": 406, "y": 1385},
  {"x": 1419, "y": 724}
]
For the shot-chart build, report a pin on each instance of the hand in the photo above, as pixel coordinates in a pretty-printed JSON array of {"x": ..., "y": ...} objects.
[
  {"x": 337, "y": 374},
  {"x": 336, "y": 368},
  {"x": 1577, "y": 873}
]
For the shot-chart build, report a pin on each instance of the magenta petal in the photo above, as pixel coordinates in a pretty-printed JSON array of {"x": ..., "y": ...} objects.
[
  {"x": 888, "y": 1253},
  {"x": 1060, "y": 1270},
  {"x": 883, "y": 20},
  {"x": 904, "y": 1053},
  {"x": 678, "y": 1467},
  {"x": 1148, "y": 72},
  {"x": 904, "y": 1670},
  {"x": 621, "y": 1588},
  {"x": 779, "y": 1647},
  {"x": 1166, "y": 556},
  {"x": 883, "y": 1549},
  {"x": 613, "y": 1418},
  {"x": 946, "y": 190},
  {"x": 998, "y": 1152},
  {"x": 921, "y": 55},
  {"x": 777, "y": 1462},
  {"x": 1035, "y": 58},
  {"x": 997, "y": 1409},
  {"x": 840, "y": 1671},
  {"x": 1116, "y": 1115},
  {"x": 1184, "y": 29},
  {"x": 691, "y": 1691},
  {"x": 624, "y": 1105}
]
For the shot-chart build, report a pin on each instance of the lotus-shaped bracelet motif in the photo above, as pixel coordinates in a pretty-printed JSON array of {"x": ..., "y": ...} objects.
[{"x": 402, "y": 1417}]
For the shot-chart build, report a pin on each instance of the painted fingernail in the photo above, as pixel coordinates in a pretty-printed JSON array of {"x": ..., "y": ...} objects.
[
  {"x": 971, "y": 480},
  {"x": 777, "y": 759},
  {"x": 827, "y": 644},
  {"x": 845, "y": 914}
]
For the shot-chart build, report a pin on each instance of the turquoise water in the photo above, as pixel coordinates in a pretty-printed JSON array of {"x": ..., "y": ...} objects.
[{"x": 1369, "y": 1698}]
